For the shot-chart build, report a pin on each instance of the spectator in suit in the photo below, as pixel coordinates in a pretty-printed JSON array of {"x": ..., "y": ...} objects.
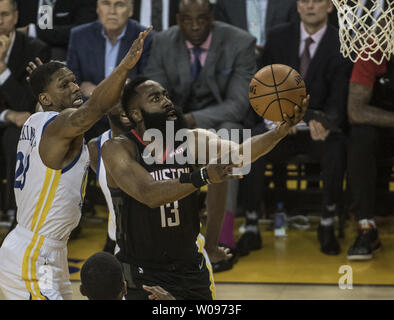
[
  {"x": 256, "y": 16},
  {"x": 206, "y": 66},
  {"x": 96, "y": 48},
  {"x": 311, "y": 46},
  {"x": 17, "y": 101},
  {"x": 371, "y": 115},
  {"x": 161, "y": 14},
  {"x": 66, "y": 14}
]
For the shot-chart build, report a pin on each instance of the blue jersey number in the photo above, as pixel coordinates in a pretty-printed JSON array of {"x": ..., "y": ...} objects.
[{"x": 20, "y": 174}]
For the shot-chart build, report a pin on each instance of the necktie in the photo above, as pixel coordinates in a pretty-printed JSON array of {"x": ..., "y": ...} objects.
[
  {"x": 305, "y": 58},
  {"x": 196, "y": 66},
  {"x": 157, "y": 15}
]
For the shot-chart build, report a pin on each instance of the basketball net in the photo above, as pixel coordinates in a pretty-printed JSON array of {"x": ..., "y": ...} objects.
[{"x": 366, "y": 34}]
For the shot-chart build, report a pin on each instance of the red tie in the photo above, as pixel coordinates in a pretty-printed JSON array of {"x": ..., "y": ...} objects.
[{"x": 305, "y": 57}]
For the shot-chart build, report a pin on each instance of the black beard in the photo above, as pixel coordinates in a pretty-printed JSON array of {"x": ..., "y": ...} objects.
[{"x": 157, "y": 120}]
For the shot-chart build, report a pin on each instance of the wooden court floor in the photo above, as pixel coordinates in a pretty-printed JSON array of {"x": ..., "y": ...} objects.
[{"x": 289, "y": 268}]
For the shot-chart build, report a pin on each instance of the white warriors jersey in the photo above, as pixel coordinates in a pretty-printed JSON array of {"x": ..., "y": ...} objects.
[
  {"x": 102, "y": 179},
  {"x": 48, "y": 201}
]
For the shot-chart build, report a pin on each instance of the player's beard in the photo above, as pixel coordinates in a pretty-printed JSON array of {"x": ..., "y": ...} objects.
[{"x": 157, "y": 120}]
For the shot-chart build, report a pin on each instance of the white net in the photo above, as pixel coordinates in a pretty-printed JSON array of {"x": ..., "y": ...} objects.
[{"x": 365, "y": 29}]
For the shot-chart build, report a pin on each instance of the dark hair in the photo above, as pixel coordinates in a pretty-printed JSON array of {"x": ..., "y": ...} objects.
[
  {"x": 102, "y": 277},
  {"x": 41, "y": 77},
  {"x": 129, "y": 91}
]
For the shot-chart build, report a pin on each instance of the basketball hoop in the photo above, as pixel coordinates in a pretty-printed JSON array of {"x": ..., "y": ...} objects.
[{"x": 366, "y": 32}]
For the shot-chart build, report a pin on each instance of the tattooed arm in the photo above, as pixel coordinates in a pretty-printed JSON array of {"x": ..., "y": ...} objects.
[
  {"x": 360, "y": 112},
  {"x": 63, "y": 137}
]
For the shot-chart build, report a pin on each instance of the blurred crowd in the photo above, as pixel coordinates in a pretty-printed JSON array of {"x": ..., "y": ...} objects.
[{"x": 205, "y": 57}]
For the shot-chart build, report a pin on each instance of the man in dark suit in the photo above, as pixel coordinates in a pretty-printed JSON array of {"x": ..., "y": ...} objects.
[
  {"x": 145, "y": 11},
  {"x": 66, "y": 14},
  {"x": 17, "y": 101},
  {"x": 206, "y": 66},
  {"x": 258, "y": 16},
  {"x": 312, "y": 47},
  {"x": 96, "y": 48}
]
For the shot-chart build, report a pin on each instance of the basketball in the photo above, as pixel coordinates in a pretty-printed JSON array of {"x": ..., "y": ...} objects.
[{"x": 275, "y": 90}]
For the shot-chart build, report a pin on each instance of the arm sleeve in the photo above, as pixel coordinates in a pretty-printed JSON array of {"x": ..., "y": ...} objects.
[{"x": 366, "y": 72}]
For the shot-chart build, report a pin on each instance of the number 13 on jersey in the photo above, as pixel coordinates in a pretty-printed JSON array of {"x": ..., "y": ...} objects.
[{"x": 170, "y": 209}]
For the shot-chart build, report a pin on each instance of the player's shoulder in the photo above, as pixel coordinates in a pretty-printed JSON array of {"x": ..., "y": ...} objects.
[
  {"x": 41, "y": 117},
  {"x": 118, "y": 146}
]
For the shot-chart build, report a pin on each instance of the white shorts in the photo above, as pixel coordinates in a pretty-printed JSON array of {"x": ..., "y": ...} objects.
[{"x": 34, "y": 267}]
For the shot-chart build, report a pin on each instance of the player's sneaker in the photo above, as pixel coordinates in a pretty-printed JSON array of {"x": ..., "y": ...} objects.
[
  {"x": 366, "y": 243},
  {"x": 249, "y": 241},
  {"x": 328, "y": 243}
]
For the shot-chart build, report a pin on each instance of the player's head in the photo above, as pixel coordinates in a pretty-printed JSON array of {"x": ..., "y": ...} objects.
[
  {"x": 114, "y": 14},
  {"x": 8, "y": 16},
  {"x": 55, "y": 87},
  {"x": 314, "y": 13},
  {"x": 195, "y": 19},
  {"x": 146, "y": 101},
  {"x": 102, "y": 278}
]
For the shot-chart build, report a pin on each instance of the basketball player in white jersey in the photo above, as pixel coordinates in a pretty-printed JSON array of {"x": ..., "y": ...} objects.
[
  {"x": 50, "y": 180},
  {"x": 119, "y": 124}
]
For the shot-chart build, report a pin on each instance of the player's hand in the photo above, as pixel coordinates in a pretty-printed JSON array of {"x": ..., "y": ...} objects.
[
  {"x": 32, "y": 66},
  {"x": 217, "y": 254},
  {"x": 134, "y": 54},
  {"x": 158, "y": 293},
  {"x": 87, "y": 88},
  {"x": 218, "y": 173},
  {"x": 299, "y": 112},
  {"x": 16, "y": 117},
  {"x": 318, "y": 132}
]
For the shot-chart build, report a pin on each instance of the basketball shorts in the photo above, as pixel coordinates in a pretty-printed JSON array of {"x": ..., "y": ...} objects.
[
  {"x": 193, "y": 281},
  {"x": 34, "y": 267}
]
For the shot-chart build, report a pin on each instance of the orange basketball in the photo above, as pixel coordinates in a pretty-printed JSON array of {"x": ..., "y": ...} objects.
[{"x": 275, "y": 90}]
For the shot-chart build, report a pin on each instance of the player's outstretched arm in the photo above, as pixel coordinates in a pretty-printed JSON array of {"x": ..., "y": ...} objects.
[
  {"x": 264, "y": 143},
  {"x": 258, "y": 145},
  {"x": 75, "y": 122},
  {"x": 126, "y": 173},
  {"x": 63, "y": 136}
]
